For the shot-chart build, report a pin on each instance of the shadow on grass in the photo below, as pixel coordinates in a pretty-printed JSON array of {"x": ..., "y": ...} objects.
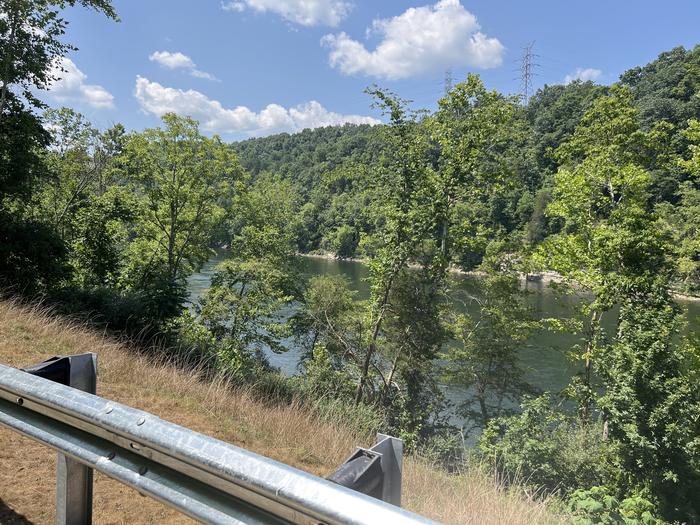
[{"x": 8, "y": 516}]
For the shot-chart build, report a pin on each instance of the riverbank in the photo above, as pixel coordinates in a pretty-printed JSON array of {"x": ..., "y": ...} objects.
[
  {"x": 546, "y": 278},
  {"x": 287, "y": 433},
  {"x": 543, "y": 277}
]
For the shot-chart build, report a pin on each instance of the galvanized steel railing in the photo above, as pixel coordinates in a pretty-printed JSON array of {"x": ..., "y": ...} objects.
[{"x": 205, "y": 478}]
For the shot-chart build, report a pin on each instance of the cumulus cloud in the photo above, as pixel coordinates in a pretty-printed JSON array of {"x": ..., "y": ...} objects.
[
  {"x": 302, "y": 12},
  {"x": 178, "y": 60},
  {"x": 72, "y": 87},
  {"x": 421, "y": 40},
  {"x": 586, "y": 74},
  {"x": 213, "y": 116}
]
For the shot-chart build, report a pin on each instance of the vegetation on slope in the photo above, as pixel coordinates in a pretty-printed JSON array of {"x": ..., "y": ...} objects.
[
  {"x": 289, "y": 433},
  {"x": 599, "y": 183}
]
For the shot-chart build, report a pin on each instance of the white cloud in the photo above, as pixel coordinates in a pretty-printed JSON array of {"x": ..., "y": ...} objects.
[
  {"x": 233, "y": 6},
  {"x": 421, "y": 40},
  {"x": 586, "y": 74},
  {"x": 172, "y": 60},
  {"x": 178, "y": 60},
  {"x": 158, "y": 100},
  {"x": 302, "y": 12},
  {"x": 71, "y": 86}
]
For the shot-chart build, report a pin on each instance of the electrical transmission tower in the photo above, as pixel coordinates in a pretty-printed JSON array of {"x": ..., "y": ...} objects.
[
  {"x": 527, "y": 71},
  {"x": 448, "y": 80}
]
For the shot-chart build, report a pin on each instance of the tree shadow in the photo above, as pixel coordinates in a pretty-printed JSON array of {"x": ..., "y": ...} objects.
[{"x": 8, "y": 516}]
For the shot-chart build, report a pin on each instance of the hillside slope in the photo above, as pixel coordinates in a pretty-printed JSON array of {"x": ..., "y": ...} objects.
[{"x": 288, "y": 434}]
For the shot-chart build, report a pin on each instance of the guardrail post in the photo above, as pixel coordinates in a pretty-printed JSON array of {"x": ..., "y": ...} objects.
[
  {"x": 374, "y": 471},
  {"x": 391, "y": 449},
  {"x": 73, "y": 479}
]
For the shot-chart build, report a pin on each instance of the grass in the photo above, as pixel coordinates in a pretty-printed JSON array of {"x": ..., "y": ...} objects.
[{"x": 291, "y": 434}]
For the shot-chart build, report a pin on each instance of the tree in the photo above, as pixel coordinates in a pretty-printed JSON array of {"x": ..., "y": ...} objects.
[
  {"x": 33, "y": 258},
  {"x": 486, "y": 361},
  {"x": 470, "y": 125},
  {"x": 181, "y": 179},
  {"x": 555, "y": 112},
  {"x": 329, "y": 317},
  {"x": 22, "y": 142},
  {"x": 405, "y": 221},
  {"x": 100, "y": 238},
  {"x": 682, "y": 220},
  {"x": 666, "y": 88},
  {"x": 76, "y": 165},
  {"x": 242, "y": 311},
  {"x": 600, "y": 195},
  {"x": 652, "y": 403},
  {"x": 30, "y": 44}
]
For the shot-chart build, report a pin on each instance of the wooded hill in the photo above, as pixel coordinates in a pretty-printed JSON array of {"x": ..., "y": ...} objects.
[{"x": 329, "y": 167}]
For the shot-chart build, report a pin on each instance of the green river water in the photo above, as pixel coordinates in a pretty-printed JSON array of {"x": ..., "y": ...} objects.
[{"x": 544, "y": 356}]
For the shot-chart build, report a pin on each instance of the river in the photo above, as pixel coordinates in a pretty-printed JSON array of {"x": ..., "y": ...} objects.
[{"x": 544, "y": 356}]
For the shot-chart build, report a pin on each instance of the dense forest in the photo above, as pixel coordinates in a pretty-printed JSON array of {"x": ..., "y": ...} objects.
[
  {"x": 599, "y": 184},
  {"x": 326, "y": 165}
]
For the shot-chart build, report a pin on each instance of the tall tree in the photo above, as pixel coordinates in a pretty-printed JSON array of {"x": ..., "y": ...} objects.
[
  {"x": 600, "y": 195},
  {"x": 652, "y": 403},
  {"x": 400, "y": 189},
  {"x": 682, "y": 219},
  {"x": 468, "y": 127},
  {"x": 181, "y": 179},
  {"x": 244, "y": 307},
  {"x": 486, "y": 360}
]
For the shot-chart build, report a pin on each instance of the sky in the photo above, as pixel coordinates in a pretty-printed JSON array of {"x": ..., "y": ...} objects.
[{"x": 247, "y": 68}]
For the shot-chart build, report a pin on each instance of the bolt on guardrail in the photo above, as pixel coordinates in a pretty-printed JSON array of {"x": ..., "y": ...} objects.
[{"x": 205, "y": 478}]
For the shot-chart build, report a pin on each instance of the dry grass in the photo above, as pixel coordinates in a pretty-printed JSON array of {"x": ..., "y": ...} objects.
[{"x": 289, "y": 434}]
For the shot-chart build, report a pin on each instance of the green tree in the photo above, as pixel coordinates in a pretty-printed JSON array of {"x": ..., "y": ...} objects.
[
  {"x": 181, "y": 179},
  {"x": 682, "y": 219},
  {"x": 329, "y": 316},
  {"x": 32, "y": 257},
  {"x": 400, "y": 182},
  {"x": 486, "y": 360},
  {"x": 600, "y": 195},
  {"x": 242, "y": 311},
  {"x": 554, "y": 112},
  {"x": 652, "y": 403},
  {"x": 469, "y": 125},
  {"x": 31, "y": 46},
  {"x": 75, "y": 163}
]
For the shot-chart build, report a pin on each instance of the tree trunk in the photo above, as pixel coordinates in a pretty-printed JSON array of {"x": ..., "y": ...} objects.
[
  {"x": 373, "y": 341},
  {"x": 588, "y": 366},
  {"x": 392, "y": 372}
]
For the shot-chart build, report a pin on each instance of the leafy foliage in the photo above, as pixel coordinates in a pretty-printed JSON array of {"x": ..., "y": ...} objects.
[{"x": 181, "y": 180}]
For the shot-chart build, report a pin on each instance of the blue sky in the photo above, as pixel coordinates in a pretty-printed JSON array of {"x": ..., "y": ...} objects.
[{"x": 254, "y": 67}]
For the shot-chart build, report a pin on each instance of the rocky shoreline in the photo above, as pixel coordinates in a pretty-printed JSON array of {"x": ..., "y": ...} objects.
[{"x": 540, "y": 277}]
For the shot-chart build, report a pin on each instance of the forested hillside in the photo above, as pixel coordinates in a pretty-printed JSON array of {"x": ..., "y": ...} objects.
[
  {"x": 599, "y": 184},
  {"x": 329, "y": 167}
]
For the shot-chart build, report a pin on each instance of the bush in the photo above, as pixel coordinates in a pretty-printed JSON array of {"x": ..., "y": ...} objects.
[
  {"x": 597, "y": 506},
  {"x": 119, "y": 311},
  {"x": 548, "y": 449}
]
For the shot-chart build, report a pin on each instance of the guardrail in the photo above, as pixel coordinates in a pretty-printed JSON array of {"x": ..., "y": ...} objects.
[{"x": 205, "y": 478}]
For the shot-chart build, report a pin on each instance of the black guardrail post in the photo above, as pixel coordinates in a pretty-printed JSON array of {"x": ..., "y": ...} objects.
[
  {"x": 374, "y": 471},
  {"x": 73, "y": 479}
]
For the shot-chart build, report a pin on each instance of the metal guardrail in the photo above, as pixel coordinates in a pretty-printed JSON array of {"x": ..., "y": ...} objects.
[{"x": 205, "y": 478}]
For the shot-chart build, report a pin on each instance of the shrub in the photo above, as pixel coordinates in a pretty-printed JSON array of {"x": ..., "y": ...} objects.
[{"x": 548, "y": 449}]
